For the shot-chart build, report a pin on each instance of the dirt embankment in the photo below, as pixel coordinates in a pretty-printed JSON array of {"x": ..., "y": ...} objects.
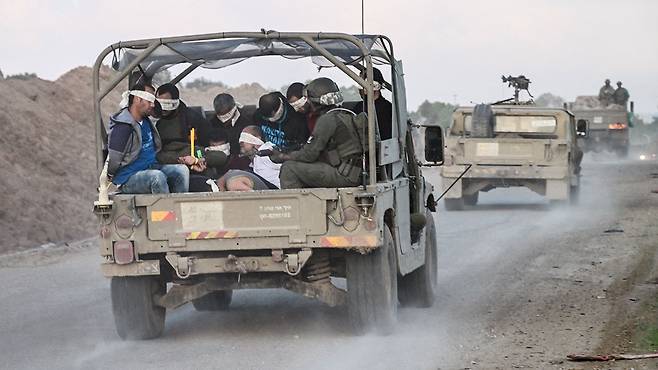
[{"x": 47, "y": 155}]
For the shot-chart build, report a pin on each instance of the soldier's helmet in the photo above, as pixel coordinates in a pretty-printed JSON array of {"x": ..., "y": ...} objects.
[
  {"x": 618, "y": 83},
  {"x": 607, "y": 81},
  {"x": 323, "y": 91}
]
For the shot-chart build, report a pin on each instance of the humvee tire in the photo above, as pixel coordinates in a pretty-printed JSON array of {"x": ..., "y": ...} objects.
[
  {"x": 482, "y": 121},
  {"x": 471, "y": 200},
  {"x": 454, "y": 204},
  {"x": 622, "y": 153},
  {"x": 372, "y": 288},
  {"x": 218, "y": 300},
  {"x": 136, "y": 316},
  {"x": 418, "y": 288},
  {"x": 574, "y": 194}
]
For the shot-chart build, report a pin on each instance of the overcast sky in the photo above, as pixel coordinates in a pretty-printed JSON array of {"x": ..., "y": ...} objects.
[{"x": 452, "y": 50}]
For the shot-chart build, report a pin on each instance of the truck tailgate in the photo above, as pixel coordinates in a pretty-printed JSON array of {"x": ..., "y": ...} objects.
[{"x": 225, "y": 216}]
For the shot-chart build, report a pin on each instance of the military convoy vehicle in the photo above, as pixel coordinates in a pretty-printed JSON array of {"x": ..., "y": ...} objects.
[
  {"x": 511, "y": 144},
  {"x": 164, "y": 250},
  {"x": 608, "y": 126}
]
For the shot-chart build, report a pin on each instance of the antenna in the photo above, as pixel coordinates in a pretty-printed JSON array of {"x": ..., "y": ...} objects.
[{"x": 362, "y": 17}]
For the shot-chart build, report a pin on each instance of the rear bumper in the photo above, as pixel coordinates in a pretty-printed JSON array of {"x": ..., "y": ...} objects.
[
  {"x": 506, "y": 172},
  {"x": 553, "y": 182}
]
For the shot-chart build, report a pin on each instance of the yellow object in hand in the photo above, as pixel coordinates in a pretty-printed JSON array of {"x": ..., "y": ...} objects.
[{"x": 192, "y": 142}]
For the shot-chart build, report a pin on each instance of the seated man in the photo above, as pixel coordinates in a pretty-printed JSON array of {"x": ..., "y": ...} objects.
[
  {"x": 133, "y": 143},
  {"x": 383, "y": 107},
  {"x": 298, "y": 101},
  {"x": 280, "y": 123},
  {"x": 229, "y": 120},
  {"x": 175, "y": 126},
  {"x": 251, "y": 142}
]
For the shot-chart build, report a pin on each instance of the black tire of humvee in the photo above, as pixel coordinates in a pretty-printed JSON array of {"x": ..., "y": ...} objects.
[
  {"x": 471, "y": 200},
  {"x": 453, "y": 204},
  {"x": 482, "y": 121},
  {"x": 622, "y": 153},
  {"x": 219, "y": 300},
  {"x": 136, "y": 315},
  {"x": 574, "y": 194},
  {"x": 418, "y": 288},
  {"x": 372, "y": 291}
]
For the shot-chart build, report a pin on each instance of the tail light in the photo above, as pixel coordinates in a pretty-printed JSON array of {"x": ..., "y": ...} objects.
[
  {"x": 124, "y": 252},
  {"x": 617, "y": 126}
]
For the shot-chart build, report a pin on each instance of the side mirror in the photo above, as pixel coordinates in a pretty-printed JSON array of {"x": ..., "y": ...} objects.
[
  {"x": 582, "y": 128},
  {"x": 434, "y": 145},
  {"x": 632, "y": 107}
]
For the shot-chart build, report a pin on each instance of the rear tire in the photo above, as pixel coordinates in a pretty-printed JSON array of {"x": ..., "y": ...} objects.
[
  {"x": 471, "y": 200},
  {"x": 622, "y": 153},
  {"x": 372, "y": 291},
  {"x": 454, "y": 204},
  {"x": 219, "y": 300},
  {"x": 418, "y": 288},
  {"x": 574, "y": 195},
  {"x": 136, "y": 315}
]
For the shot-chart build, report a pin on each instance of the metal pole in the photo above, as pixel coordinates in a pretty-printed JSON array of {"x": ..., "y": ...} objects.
[{"x": 363, "y": 17}]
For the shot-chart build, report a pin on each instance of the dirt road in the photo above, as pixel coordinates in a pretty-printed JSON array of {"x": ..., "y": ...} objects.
[{"x": 521, "y": 286}]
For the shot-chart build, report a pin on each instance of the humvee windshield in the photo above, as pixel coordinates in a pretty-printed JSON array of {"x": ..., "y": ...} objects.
[
  {"x": 526, "y": 124},
  {"x": 513, "y": 124}
]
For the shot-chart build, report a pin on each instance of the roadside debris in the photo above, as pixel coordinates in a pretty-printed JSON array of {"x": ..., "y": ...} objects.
[{"x": 617, "y": 357}]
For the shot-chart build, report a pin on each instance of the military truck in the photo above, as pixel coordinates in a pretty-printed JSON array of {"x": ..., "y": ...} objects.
[
  {"x": 164, "y": 250},
  {"x": 608, "y": 126},
  {"x": 511, "y": 145}
]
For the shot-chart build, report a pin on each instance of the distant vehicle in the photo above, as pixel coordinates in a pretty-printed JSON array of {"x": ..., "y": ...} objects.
[
  {"x": 608, "y": 126},
  {"x": 164, "y": 250},
  {"x": 511, "y": 145}
]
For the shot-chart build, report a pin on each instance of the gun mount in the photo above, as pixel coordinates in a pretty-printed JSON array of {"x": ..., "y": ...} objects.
[{"x": 519, "y": 83}]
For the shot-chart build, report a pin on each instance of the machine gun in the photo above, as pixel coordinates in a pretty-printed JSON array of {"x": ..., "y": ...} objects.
[{"x": 519, "y": 83}]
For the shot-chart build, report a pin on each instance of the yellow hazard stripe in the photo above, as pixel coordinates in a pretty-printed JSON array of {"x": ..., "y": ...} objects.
[
  {"x": 158, "y": 216},
  {"x": 196, "y": 235},
  {"x": 348, "y": 241}
]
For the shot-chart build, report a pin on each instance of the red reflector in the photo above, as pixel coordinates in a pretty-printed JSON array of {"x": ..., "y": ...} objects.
[
  {"x": 123, "y": 252},
  {"x": 617, "y": 126}
]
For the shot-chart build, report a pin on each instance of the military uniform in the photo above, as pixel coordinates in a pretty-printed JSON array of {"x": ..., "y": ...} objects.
[
  {"x": 621, "y": 96},
  {"x": 331, "y": 158},
  {"x": 606, "y": 95}
]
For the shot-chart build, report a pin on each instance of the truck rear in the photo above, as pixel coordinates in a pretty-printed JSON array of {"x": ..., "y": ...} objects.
[
  {"x": 608, "y": 126},
  {"x": 519, "y": 146},
  {"x": 369, "y": 247}
]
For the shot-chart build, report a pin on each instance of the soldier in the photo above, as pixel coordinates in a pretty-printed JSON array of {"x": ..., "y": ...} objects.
[
  {"x": 606, "y": 94},
  {"x": 621, "y": 95},
  {"x": 333, "y": 153}
]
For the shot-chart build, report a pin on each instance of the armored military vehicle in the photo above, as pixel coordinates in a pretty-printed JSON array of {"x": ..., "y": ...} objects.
[
  {"x": 608, "y": 125},
  {"x": 511, "y": 144},
  {"x": 164, "y": 250}
]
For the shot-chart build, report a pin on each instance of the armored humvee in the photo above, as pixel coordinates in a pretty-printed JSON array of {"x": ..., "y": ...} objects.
[
  {"x": 608, "y": 126},
  {"x": 164, "y": 250},
  {"x": 505, "y": 145}
]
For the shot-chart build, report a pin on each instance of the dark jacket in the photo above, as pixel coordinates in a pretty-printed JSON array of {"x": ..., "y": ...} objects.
[
  {"x": 384, "y": 110},
  {"x": 288, "y": 133},
  {"x": 125, "y": 140},
  {"x": 232, "y": 132},
  {"x": 175, "y": 133}
]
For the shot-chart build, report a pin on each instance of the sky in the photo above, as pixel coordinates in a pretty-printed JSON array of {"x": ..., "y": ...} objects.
[{"x": 453, "y": 51}]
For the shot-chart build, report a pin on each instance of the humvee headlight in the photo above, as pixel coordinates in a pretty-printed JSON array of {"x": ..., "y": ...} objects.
[{"x": 643, "y": 157}]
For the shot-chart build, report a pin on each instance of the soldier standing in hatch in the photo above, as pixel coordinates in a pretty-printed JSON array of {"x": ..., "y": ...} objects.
[
  {"x": 333, "y": 153},
  {"x": 606, "y": 94},
  {"x": 621, "y": 95}
]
